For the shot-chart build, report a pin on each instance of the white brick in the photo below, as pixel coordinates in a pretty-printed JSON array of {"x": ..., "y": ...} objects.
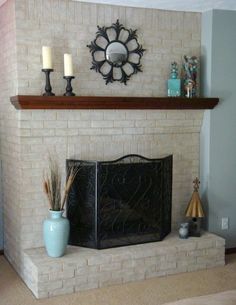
[
  {"x": 195, "y": 267},
  {"x": 133, "y": 276},
  {"x": 168, "y": 265},
  {"x": 87, "y": 269},
  {"x": 145, "y": 123},
  {"x": 99, "y": 259},
  {"x": 60, "y": 291},
  {"x": 220, "y": 243},
  {"x": 75, "y": 281},
  {"x": 86, "y": 286},
  {"x": 177, "y": 270},
  {"x": 110, "y": 266},
  {"x": 176, "y": 115},
  {"x": 133, "y": 263},
  {"x": 49, "y": 286},
  {"x": 65, "y": 274},
  {"x": 197, "y": 253},
  {"x": 101, "y": 124},
  {"x": 55, "y": 124},
  {"x": 124, "y": 123},
  {"x": 79, "y": 124},
  {"x": 133, "y": 131},
  {"x": 135, "y": 115},
  {"x": 208, "y": 243}
]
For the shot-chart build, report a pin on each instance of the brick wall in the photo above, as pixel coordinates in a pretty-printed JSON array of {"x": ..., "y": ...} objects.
[
  {"x": 9, "y": 133},
  {"x": 69, "y": 26}
]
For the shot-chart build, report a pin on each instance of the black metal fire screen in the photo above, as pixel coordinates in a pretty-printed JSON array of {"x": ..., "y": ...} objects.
[{"x": 121, "y": 202}]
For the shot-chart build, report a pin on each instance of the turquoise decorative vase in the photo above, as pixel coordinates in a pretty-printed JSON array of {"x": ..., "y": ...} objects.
[
  {"x": 56, "y": 233},
  {"x": 174, "y": 83}
]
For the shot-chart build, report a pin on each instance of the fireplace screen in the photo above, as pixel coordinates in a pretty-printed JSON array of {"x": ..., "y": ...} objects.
[{"x": 121, "y": 202}]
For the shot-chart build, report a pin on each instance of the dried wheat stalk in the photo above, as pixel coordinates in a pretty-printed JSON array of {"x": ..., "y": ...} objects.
[
  {"x": 70, "y": 179},
  {"x": 52, "y": 185}
]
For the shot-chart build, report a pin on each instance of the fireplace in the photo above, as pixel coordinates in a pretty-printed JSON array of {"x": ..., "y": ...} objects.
[{"x": 121, "y": 202}]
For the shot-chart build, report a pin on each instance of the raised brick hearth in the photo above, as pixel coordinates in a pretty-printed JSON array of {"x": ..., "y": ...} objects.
[{"x": 82, "y": 268}]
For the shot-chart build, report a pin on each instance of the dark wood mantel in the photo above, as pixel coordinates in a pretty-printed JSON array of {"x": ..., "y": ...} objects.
[{"x": 111, "y": 102}]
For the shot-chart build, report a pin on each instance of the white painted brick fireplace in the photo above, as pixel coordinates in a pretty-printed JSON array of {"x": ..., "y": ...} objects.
[{"x": 28, "y": 135}]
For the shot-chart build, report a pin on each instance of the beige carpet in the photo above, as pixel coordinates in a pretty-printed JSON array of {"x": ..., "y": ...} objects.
[
  {"x": 150, "y": 292},
  {"x": 222, "y": 298}
]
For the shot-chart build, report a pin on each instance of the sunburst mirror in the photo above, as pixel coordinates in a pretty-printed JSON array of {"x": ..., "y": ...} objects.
[{"x": 116, "y": 53}]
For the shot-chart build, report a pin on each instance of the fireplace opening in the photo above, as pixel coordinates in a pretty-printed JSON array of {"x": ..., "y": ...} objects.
[{"x": 122, "y": 202}]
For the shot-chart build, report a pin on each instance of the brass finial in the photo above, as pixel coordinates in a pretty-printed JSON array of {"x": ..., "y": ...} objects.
[
  {"x": 196, "y": 183},
  {"x": 194, "y": 208}
]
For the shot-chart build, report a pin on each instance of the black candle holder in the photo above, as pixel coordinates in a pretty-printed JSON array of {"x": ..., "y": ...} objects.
[
  {"x": 69, "y": 89},
  {"x": 48, "y": 87}
]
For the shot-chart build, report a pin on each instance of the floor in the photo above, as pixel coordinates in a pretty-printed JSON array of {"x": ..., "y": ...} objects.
[{"x": 222, "y": 298}]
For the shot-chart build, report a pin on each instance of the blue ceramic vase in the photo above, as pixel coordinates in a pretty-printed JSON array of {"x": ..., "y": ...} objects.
[{"x": 56, "y": 233}]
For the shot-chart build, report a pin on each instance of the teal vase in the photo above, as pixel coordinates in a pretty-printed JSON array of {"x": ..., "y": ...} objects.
[{"x": 56, "y": 233}]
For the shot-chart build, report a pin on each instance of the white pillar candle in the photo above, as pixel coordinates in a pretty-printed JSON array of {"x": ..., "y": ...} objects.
[
  {"x": 68, "y": 68},
  {"x": 47, "y": 57}
]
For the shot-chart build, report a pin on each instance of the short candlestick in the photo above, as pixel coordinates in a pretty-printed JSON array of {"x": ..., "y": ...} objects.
[
  {"x": 69, "y": 89},
  {"x": 48, "y": 87}
]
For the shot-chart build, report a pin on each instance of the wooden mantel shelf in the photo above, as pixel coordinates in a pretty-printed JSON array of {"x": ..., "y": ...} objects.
[{"x": 111, "y": 102}]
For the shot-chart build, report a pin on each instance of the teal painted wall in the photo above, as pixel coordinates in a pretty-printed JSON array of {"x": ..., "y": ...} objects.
[
  {"x": 1, "y": 229},
  {"x": 218, "y": 136}
]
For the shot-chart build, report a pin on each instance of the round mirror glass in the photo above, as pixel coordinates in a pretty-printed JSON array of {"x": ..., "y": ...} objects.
[{"x": 116, "y": 53}]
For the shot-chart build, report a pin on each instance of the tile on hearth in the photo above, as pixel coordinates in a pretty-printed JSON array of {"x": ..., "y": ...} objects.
[
  {"x": 86, "y": 286},
  {"x": 50, "y": 286},
  {"x": 99, "y": 259},
  {"x": 134, "y": 262},
  {"x": 220, "y": 243},
  {"x": 85, "y": 270},
  {"x": 121, "y": 256},
  {"x": 61, "y": 291},
  {"x": 110, "y": 267},
  {"x": 62, "y": 274},
  {"x": 186, "y": 262},
  {"x": 195, "y": 267},
  {"x": 180, "y": 269},
  {"x": 132, "y": 276}
]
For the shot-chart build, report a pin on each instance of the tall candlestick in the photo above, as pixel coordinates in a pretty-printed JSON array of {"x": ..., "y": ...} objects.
[
  {"x": 68, "y": 68},
  {"x": 69, "y": 89},
  {"x": 48, "y": 87},
  {"x": 47, "y": 57}
]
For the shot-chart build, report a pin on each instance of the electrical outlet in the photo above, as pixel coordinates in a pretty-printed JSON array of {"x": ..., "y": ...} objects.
[{"x": 225, "y": 223}]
